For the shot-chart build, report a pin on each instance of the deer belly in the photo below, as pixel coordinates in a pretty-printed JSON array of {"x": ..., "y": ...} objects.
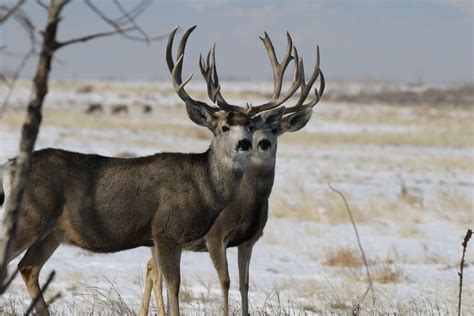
[{"x": 105, "y": 230}]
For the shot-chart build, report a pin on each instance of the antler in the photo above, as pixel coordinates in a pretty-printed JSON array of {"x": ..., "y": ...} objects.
[
  {"x": 306, "y": 88},
  {"x": 278, "y": 73},
  {"x": 177, "y": 68},
  {"x": 209, "y": 72}
]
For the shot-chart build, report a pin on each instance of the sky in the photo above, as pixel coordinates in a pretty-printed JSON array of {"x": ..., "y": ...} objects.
[{"x": 400, "y": 41}]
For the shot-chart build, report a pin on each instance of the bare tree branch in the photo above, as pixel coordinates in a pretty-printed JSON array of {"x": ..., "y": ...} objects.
[
  {"x": 91, "y": 37},
  {"x": 11, "y": 11},
  {"x": 41, "y": 4},
  {"x": 119, "y": 24},
  {"x": 131, "y": 20},
  {"x": 14, "y": 80},
  {"x": 24, "y": 21},
  {"x": 135, "y": 12}
]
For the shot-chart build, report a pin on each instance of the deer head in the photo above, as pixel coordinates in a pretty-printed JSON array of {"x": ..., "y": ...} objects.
[
  {"x": 269, "y": 119},
  {"x": 232, "y": 130}
]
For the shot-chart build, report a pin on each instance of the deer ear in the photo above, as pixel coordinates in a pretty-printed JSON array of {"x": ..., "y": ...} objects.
[
  {"x": 273, "y": 116},
  {"x": 295, "y": 121},
  {"x": 200, "y": 115}
]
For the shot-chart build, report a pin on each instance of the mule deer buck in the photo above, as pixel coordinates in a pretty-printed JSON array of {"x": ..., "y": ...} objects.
[
  {"x": 105, "y": 204},
  {"x": 241, "y": 223}
]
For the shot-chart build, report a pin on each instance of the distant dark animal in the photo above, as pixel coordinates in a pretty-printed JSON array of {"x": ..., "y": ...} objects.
[
  {"x": 93, "y": 108},
  {"x": 118, "y": 109},
  {"x": 147, "y": 109}
]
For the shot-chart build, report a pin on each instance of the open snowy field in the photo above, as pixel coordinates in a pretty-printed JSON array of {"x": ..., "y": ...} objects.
[{"x": 406, "y": 171}]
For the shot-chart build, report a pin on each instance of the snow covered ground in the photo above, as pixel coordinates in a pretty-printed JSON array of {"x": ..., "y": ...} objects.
[{"x": 407, "y": 173}]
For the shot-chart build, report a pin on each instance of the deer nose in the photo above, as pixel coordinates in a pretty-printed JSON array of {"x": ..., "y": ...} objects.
[
  {"x": 264, "y": 144},
  {"x": 244, "y": 145}
]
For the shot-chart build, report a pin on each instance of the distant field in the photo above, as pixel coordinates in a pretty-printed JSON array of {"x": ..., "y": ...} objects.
[{"x": 406, "y": 168}]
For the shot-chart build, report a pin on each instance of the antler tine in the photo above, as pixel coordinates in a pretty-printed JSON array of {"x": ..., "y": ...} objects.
[
  {"x": 306, "y": 88},
  {"x": 278, "y": 73},
  {"x": 278, "y": 68},
  {"x": 209, "y": 72},
  {"x": 169, "y": 49},
  {"x": 176, "y": 69},
  {"x": 206, "y": 73}
]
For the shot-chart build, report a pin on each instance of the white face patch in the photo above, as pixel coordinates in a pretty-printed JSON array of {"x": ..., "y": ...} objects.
[{"x": 234, "y": 154}]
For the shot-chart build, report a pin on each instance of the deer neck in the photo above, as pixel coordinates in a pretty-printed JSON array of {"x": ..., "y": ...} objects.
[
  {"x": 262, "y": 177},
  {"x": 224, "y": 179}
]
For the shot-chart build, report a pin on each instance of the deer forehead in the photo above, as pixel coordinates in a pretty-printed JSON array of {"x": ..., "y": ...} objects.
[{"x": 235, "y": 118}]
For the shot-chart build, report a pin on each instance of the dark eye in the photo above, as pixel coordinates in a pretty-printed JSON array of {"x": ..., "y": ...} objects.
[
  {"x": 274, "y": 131},
  {"x": 225, "y": 128},
  {"x": 251, "y": 129}
]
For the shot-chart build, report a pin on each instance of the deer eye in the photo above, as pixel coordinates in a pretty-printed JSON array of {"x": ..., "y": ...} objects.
[
  {"x": 274, "y": 131},
  {"x": 225, "y": 128}
]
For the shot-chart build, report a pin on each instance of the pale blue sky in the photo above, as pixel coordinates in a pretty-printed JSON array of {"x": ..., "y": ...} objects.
[{"x": 407, "y": 41}]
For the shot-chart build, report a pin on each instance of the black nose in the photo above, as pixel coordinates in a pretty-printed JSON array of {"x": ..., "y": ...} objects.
[
  {"x": 244, "y": 145},
  {"x": 264, "y": 144}
]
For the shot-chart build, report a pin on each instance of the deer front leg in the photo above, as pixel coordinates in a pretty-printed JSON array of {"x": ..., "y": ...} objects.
[
  {"x": 30, "y": 268},
  {"x": 218, "y": 253},
  {"x": 244, "y": 256},
  {"x": 167, "y": 260}
]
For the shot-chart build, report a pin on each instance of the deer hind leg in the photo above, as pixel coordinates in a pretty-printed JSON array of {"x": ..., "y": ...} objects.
[
  {"x": 30, "y": 267},
  {"x": 218, "y": 253},
  {"x": 244, "y": 256},
  {"x": 148, "y": 286},
  {"x": 167, "y": 260},
  {"x": 153, "y": 281},
  {"x": 158, "y": 285}
]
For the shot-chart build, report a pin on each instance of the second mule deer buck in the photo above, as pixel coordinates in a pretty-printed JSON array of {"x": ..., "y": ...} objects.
[
  {"x": 241, "y": 223},
  {"x": 105, "y": 204}
]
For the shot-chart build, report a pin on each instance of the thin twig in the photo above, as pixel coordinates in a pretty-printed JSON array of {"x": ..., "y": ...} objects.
[
  {"x": 461, "y": 267},
  {"x": 12, "y": 11},
  {"x": 119, "y": 24},
  {"x": 41, "y": 4},
  {"x": 135, "y": 12},
  {"x": 132, "y": 21},
  {"x": 364, "y": 259},
  {"x": 92, "y": 36},
  {"x": 40, "y": 294},
  {"x": 9, "y": 281},
  {"x": 14, "y": 80}
]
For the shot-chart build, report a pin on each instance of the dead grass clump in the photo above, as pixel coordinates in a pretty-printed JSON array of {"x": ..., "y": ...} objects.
[
  {"x": 343, "y": 257},
  {"x": 85, "y": 89},
  {"x": 305, "y": 206},
  {"x": 454, "y": 205},
  {"x": 388, "y": 274}
]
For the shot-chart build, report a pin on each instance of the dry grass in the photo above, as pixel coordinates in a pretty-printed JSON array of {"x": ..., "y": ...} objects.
[
  {"x": 343, "y": 257},
  {"x": 455, "y": 206},
  {"x": 387, "y": 274},
  {"x": 327, "y": 208}
]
